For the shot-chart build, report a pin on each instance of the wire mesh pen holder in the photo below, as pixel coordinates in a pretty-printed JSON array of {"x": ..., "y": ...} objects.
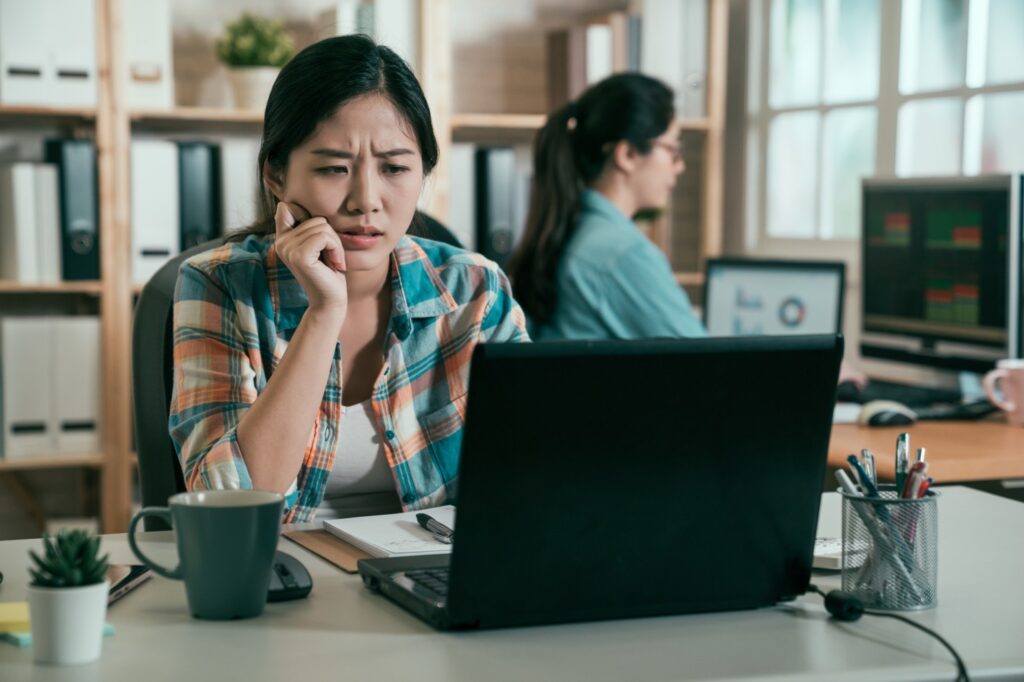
[{"x": 890, "y": 550}]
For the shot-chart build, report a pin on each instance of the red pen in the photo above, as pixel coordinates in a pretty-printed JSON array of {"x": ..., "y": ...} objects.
[
  {"x": 923, "y": 489},
  {"x": 917, "y": 471}
]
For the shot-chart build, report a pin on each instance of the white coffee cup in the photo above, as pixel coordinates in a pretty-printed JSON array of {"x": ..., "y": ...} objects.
[{"x": 1007, "y": 378}]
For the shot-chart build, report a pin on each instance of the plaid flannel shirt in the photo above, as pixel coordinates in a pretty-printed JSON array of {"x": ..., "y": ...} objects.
[{"x": 235, "y": 310}]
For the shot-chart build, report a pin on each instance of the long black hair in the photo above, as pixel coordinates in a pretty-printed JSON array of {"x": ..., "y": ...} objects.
[
  {"x": 314, "y": 84},
  {"x": 570, "y": 152}
]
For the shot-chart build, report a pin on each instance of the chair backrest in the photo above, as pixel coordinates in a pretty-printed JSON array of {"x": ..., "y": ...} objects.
[{"x": 160, "y": 473}]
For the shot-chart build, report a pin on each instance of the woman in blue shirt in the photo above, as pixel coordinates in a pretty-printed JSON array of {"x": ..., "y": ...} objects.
[{"x": 584, "y": 270}]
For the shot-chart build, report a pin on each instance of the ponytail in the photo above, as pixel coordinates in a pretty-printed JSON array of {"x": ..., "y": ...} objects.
[
  {"x": 571, "y": 151},
  {"x": 554, "y": 203}
]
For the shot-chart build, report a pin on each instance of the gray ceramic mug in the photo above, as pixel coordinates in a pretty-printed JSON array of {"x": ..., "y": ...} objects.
[{"x": 226, "y": 542}]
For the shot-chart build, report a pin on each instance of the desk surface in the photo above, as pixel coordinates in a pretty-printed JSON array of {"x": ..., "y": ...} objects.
[
  {"x": 344, "y": 630},
  {"x": 957, "y": 451}
]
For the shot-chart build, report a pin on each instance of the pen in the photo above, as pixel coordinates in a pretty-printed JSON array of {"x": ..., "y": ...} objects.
[
  {"x": 902, "y": 459},
  {"x": 868, "y": 458},
  {"x": 865, "y": 480},
  {"x": 918, "y": 471},
  {"x": 920, "y": 454},
  {"x": 440, "y": 531}
]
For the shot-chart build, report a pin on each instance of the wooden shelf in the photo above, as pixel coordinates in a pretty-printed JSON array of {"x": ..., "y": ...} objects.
[
  {"x": 532, "y": 122},
  {"x": 36, "y": 115},
  {"x": 52, "y": 462},
  {"x": 499, "y": 121},
  {"x": 694, "y": 124},
  {"x": 495, "y": 126},
  {"x": 83, "y": 287},
  {"x": 689, "y": 278},
  {"x": 188, "y": 118}
]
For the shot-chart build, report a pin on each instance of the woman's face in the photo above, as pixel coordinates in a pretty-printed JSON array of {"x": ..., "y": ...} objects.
[
  {"x": 362, "y": 171},
  {"x": 655, "y": 174}
]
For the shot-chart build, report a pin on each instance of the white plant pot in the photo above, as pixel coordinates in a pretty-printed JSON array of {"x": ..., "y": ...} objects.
[
  {"x": 67, "y": 622},
  {"x": 251, "y": 85}
]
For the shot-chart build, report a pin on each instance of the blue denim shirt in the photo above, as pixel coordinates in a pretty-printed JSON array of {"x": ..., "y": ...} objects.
[{"x": 613, "y": 283}]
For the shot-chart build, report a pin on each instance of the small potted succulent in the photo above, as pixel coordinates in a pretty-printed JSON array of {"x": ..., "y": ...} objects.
[
  {"x": 254, "y": 49},
  {"x": 67, "y": 598}
]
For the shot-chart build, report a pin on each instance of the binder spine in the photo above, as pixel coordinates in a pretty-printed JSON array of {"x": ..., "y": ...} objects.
[{"x": 76, "y": 164}]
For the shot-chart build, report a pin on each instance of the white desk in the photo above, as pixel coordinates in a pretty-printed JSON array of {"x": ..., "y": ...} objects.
[{"x": 344, "y": 632}]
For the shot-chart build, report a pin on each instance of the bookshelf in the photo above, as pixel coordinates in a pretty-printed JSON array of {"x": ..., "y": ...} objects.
[{"x": 112, "y": 124}]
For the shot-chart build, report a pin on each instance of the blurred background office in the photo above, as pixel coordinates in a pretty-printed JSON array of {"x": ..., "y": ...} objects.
[{"x": 129, "y": 131}]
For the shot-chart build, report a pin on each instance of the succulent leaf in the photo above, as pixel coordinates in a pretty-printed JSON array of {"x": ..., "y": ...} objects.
[{"x": 69, "y": 560}]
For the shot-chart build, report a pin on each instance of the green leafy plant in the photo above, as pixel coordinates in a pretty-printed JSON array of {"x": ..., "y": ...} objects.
[
  {"x": 69, "y": 560},
  {"x": 251, "y": 40}
]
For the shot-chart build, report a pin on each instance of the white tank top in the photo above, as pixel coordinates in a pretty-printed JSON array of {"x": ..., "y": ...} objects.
[{"x": 360, "y": 483}]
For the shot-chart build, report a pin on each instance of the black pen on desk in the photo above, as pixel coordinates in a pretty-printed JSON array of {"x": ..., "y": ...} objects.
[{"x": 440, "y": 531}]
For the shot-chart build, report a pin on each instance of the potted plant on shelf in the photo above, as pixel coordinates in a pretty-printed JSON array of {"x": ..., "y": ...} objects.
[
  {"x": 67, "y": 598},
  {"x": 254, "y": 49}
]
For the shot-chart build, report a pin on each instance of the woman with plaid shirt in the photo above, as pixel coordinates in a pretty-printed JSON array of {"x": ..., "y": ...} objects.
[{"x": 324, "y": 353}]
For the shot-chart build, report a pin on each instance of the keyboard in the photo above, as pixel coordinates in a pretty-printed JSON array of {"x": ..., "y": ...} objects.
[
  {"x": 973, "y": 410},
  {"x": 911, "y": 396},
  {"x": 434, "y": 579}
]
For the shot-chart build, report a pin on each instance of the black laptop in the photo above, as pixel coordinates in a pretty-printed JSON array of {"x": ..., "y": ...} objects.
[{"x": 622, "y": 479}]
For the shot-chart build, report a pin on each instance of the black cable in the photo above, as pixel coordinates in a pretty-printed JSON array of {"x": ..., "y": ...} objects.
[{"x": 845, "y": 606}]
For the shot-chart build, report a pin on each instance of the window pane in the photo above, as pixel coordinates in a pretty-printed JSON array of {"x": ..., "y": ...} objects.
[
  {"x": 795, "y": 43},
  {"x": 1005, "y": 63},
  {"x": 792, "y": 174},
  {"x": 928, "y": 137},
  {"x": 851, "y": 48},
  {"x": 1002, "y": 145},
  {"x": 848, "y": 155},
  {"x": 932, "y": 45}
]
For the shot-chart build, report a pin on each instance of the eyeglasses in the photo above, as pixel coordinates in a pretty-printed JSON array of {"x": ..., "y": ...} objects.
[{"x": 674, "y": 150}]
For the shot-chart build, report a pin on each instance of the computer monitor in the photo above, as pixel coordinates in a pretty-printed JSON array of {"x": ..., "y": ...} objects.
[
  {"x": 941, "y": 271},
  {"x": 748, "y": 297}
]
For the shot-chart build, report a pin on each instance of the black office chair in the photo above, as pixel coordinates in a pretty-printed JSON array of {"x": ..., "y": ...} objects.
[{"x": 160, "y": 474}]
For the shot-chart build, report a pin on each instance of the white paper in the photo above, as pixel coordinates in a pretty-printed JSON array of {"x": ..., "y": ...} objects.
[{"x": 392, "y": 535}]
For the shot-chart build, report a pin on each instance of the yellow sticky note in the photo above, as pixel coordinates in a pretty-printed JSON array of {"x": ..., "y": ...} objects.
[{"x": 14, "y": 616}]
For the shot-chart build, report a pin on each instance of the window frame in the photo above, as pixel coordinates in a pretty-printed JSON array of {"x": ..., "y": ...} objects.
[{"x": 887, "y": 104}]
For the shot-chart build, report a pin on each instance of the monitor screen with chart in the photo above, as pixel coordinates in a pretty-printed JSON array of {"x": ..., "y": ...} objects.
[
  {"x": 747, "y": 297},
  {"x": 941, "y": 271}
]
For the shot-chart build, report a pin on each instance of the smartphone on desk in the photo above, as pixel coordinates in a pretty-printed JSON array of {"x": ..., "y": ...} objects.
[{"x": 124, "y": 578}]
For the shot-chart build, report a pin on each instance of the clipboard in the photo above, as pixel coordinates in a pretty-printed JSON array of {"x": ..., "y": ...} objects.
[{"x": 328, "y": 547}]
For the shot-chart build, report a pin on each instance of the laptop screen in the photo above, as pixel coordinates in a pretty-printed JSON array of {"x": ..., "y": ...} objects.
[{"x": 755, "y": 298}]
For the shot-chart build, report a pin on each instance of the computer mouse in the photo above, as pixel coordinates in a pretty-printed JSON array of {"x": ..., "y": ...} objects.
[
  {"x": 886, "y": 413},
  {"x": 289, "y": 579}
]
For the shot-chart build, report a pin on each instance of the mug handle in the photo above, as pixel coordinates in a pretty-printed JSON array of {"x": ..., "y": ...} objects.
[
  {"x": 989, "y": 384},
  {"x": 165, "y": 514}
]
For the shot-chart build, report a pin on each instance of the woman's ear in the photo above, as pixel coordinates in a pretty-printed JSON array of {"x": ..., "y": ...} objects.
[
  {"x": 273, "y": 182},
  {"x": 624, "y": 156}
]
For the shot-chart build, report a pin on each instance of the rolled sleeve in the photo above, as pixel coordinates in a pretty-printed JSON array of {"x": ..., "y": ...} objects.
[
  {"x": 503, "y": 320},
  {"x": 214, "y": 384}
]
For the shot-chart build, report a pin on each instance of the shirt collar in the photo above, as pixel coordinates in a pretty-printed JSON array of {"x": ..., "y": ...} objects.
[
  {"x": 417, "y": 289},
  {"x": 595, "y": 202}
]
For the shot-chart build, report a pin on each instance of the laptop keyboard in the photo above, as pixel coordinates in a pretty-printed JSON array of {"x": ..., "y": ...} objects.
[{"x": 434, "y": 579}]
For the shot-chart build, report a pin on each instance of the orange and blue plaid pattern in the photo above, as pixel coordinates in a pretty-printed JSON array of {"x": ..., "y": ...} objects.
[{"x": 235, "y": 310}]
